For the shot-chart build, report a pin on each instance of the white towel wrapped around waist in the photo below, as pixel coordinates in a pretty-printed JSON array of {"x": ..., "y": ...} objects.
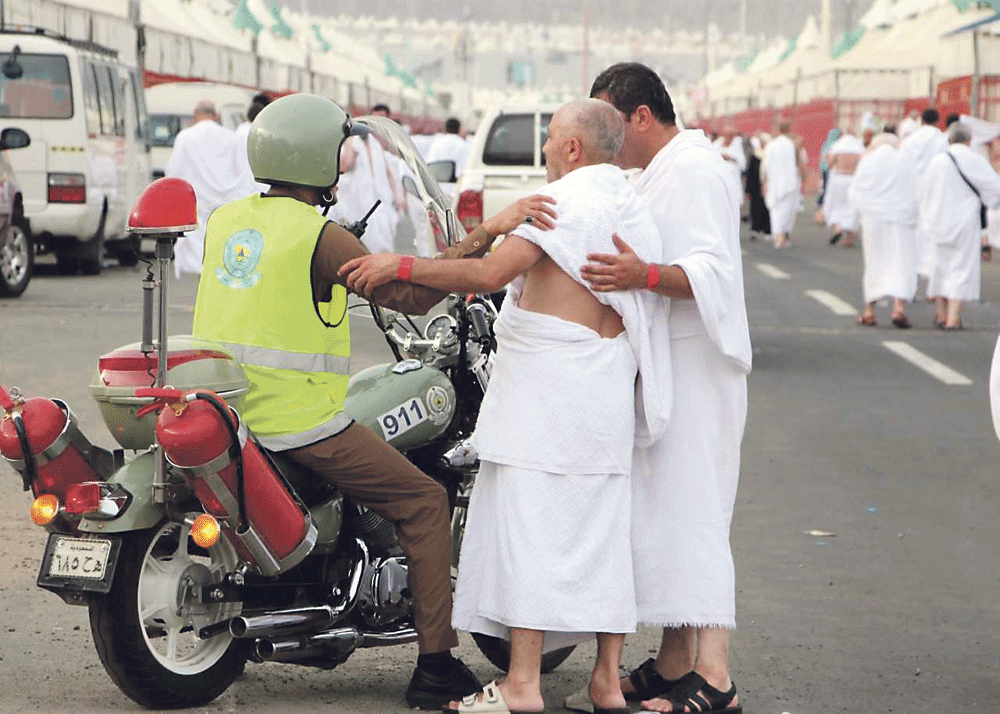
[{"x": 561, "y": 397}]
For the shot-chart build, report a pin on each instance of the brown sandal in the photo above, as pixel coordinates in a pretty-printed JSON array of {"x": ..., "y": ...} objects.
[
  {"x": 900, "y": 321},
  {"x": 867, "y": 321}
]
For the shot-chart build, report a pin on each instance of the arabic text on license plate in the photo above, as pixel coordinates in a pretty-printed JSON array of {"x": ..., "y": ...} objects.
[
  {"x": 403, "y": 418},
  {"x": 79, "y": 558}
]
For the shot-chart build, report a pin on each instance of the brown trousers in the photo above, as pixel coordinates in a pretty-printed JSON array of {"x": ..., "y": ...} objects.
[{"x": 370, "y": 472}]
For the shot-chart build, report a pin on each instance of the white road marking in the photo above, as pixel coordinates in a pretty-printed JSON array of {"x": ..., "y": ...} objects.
[
  {"x": 772, "y": 272},
  {"x": 836, "y": 305},
  {"x": 930, "y": 365}
]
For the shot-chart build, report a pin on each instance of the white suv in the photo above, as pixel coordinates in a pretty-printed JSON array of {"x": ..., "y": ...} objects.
[{"x": 505, "y": 161}]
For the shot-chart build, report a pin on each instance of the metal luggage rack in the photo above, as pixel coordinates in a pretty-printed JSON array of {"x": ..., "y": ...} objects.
[{"x": 52, "y": 34}]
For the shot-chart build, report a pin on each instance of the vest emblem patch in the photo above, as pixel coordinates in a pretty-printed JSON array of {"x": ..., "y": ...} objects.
[{"x": 240, "y": 258}]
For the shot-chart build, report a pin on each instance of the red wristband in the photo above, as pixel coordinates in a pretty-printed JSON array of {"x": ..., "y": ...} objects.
[
  {"x": 652, "y": 276},
  {"x": 405, "y": 267}
]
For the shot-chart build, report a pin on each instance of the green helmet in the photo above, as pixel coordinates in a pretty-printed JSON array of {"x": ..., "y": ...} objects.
[{"x": 296, "y": 140}]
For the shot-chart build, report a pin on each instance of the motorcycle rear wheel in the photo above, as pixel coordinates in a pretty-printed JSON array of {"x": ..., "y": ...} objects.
[
  {"x": 145, "y": 633},
  {"x": 497, "y": 651}
]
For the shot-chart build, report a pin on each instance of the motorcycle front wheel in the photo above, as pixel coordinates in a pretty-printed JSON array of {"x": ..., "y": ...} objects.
[{"x": 145, "y": 629}]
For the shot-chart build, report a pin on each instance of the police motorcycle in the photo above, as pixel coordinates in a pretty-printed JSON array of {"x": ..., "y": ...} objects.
[{"x": 203, "y": 550}]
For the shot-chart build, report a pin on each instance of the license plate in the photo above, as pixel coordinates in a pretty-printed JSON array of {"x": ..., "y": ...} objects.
[{"x": 78, "y": 563}]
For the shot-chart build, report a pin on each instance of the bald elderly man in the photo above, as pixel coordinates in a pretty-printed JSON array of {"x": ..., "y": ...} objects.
[{"x": 546, "y": 558}]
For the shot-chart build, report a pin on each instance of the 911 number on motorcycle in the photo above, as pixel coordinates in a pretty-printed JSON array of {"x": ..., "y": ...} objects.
[{"x": 403, "y": 418}]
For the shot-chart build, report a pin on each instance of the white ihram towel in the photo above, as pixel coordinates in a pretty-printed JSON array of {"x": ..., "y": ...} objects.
[{"x": 594, "y": 202}]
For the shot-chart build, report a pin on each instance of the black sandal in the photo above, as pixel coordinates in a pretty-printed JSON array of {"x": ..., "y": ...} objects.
[
  {"x": 647, "y": 683},
  {"x": 697, "y": 695}
]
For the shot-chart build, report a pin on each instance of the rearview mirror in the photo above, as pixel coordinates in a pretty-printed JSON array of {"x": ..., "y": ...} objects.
[
  {"x": 410, "y": 186},
  {"x": 12, "y": 69},
  {"x": 12, "y": 138},
  {"x": 442, "y": 171}
]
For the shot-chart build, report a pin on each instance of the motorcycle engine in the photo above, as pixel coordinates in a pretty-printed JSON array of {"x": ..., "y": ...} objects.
[{"x": 385, "y": 594}]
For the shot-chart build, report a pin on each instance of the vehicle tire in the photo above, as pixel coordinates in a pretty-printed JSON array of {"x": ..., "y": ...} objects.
[
  {"x": 17, "y": 259},
  {"x": 92, "y": 252},
  {"x": 497, "y": 651},
  {"x": 67, "y": 264},
  {"x": 128, "y": 252},
  {"x": 157, "y": 659}
]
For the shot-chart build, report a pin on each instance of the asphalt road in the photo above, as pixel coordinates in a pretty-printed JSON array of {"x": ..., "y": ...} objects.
[{"x": 898, "y": 611}]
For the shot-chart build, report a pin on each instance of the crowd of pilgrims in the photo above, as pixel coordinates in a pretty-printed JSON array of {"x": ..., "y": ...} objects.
[
  {"x": 921, "y": 201},
  {"x": 213, "y": 159}
]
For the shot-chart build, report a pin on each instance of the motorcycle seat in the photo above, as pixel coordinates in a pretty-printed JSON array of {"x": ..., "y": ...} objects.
[{"x": 310, "y": 487}]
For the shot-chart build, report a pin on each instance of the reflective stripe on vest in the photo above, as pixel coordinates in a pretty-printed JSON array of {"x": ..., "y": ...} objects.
[
  {"x": 281, "y": 359},
  {"x": 255, "y": 297}
]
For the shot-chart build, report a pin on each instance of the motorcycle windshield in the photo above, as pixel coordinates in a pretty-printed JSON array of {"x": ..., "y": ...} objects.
[{"x": 426, "y": 224}]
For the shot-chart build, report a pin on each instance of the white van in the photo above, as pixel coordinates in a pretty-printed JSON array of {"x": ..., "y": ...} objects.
[
  {"x": 89, "y": 155},
  {"x": 172, "y": 104}
]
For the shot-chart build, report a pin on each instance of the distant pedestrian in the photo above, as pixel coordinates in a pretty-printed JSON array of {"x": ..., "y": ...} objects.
[
  {"x": 959, "y": 185},
  {"x": 204, "y": 155},
  {"x": 782, "y": 168},
  {"x": 249, "y": 185},
  {"x": 883, "y": 191},
  {"x": 760, "y": 218},
  {"x": 730, "y": 145},
  {"x": 824, "y": 164},
  {"x": 921, "y": 146},
  {"x": 450, "y": 146},
  {"x": 842, "y": 219}
]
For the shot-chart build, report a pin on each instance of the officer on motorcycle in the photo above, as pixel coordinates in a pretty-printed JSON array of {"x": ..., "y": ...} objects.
[{"x": 270, "y": 292}]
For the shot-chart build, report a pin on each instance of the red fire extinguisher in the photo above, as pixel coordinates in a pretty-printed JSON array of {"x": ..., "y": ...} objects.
[
  {"x": 206, "y": 442},
  {"x": 40, "y": 438}
]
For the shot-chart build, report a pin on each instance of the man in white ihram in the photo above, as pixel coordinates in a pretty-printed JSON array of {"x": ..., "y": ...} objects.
[
  {"x": 921, "y": 146},
  {"x": 841, "y": 216},
  {"x": 684, "y": 485},
  {"x": 730, "y": 145},
  {"x": 546, "y": 558},
  {"x": 883, "y": 190},
  {"x": 205, "y": 156},
  {"x": 957, "y": 184},
  {"x": 782, "y": 183}
]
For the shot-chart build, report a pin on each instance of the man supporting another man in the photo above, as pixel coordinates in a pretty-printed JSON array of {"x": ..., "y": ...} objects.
[
  {"x": 546, "y": 553},
  {"x": 684, "y": 485},
  {"x": 958, "y": 184},
  {"x": 883, "y": 190}
]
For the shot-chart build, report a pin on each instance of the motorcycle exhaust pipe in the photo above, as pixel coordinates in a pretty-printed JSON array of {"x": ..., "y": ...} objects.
[
  {"x": 342, "y": 641},
  {"x": 282, "y": 623}
]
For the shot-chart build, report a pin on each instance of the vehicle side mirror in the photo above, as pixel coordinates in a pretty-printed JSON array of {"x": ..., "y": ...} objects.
[
  {"x": 442, "y": 171},
  {"x": 410, "y": 186},
  {"x": 13, "y": 138},
  {"x": 12, "y": 69}
]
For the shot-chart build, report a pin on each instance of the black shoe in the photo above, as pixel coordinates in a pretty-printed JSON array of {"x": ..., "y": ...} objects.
[
  {"x": 835, "y": 238},
  {"x": 431, "y": 692}
]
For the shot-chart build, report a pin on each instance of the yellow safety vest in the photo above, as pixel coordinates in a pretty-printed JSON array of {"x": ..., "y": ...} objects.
[{"x": 255, "y": 297}]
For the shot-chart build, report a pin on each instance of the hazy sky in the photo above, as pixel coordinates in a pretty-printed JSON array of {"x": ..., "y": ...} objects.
[{"x": 770, "y": 17}]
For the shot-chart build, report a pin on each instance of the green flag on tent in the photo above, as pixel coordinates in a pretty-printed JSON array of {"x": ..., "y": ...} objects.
[
  {"x": 427, "y": 90},
  {"x": 390, "y": 67},
  {"x": 788, "y": 50},
  {"x": 743, "y": 62},
  {"x": 323, "y": 44},
  {"x": 280, "y": 27},
  {"x": 964, "y": 5},
  {"x": 847, "y": 42},
  {"x": 243, "y": 19}
]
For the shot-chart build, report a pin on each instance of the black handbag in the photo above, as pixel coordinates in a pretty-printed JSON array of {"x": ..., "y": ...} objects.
[{"x": 982, "y": 206}]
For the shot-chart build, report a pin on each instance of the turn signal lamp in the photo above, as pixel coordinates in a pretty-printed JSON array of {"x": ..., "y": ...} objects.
[
  {"x": 83, "y": 498},
  {"x": 44, "y": 509},
  {"x": 205, "y": 530}
]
